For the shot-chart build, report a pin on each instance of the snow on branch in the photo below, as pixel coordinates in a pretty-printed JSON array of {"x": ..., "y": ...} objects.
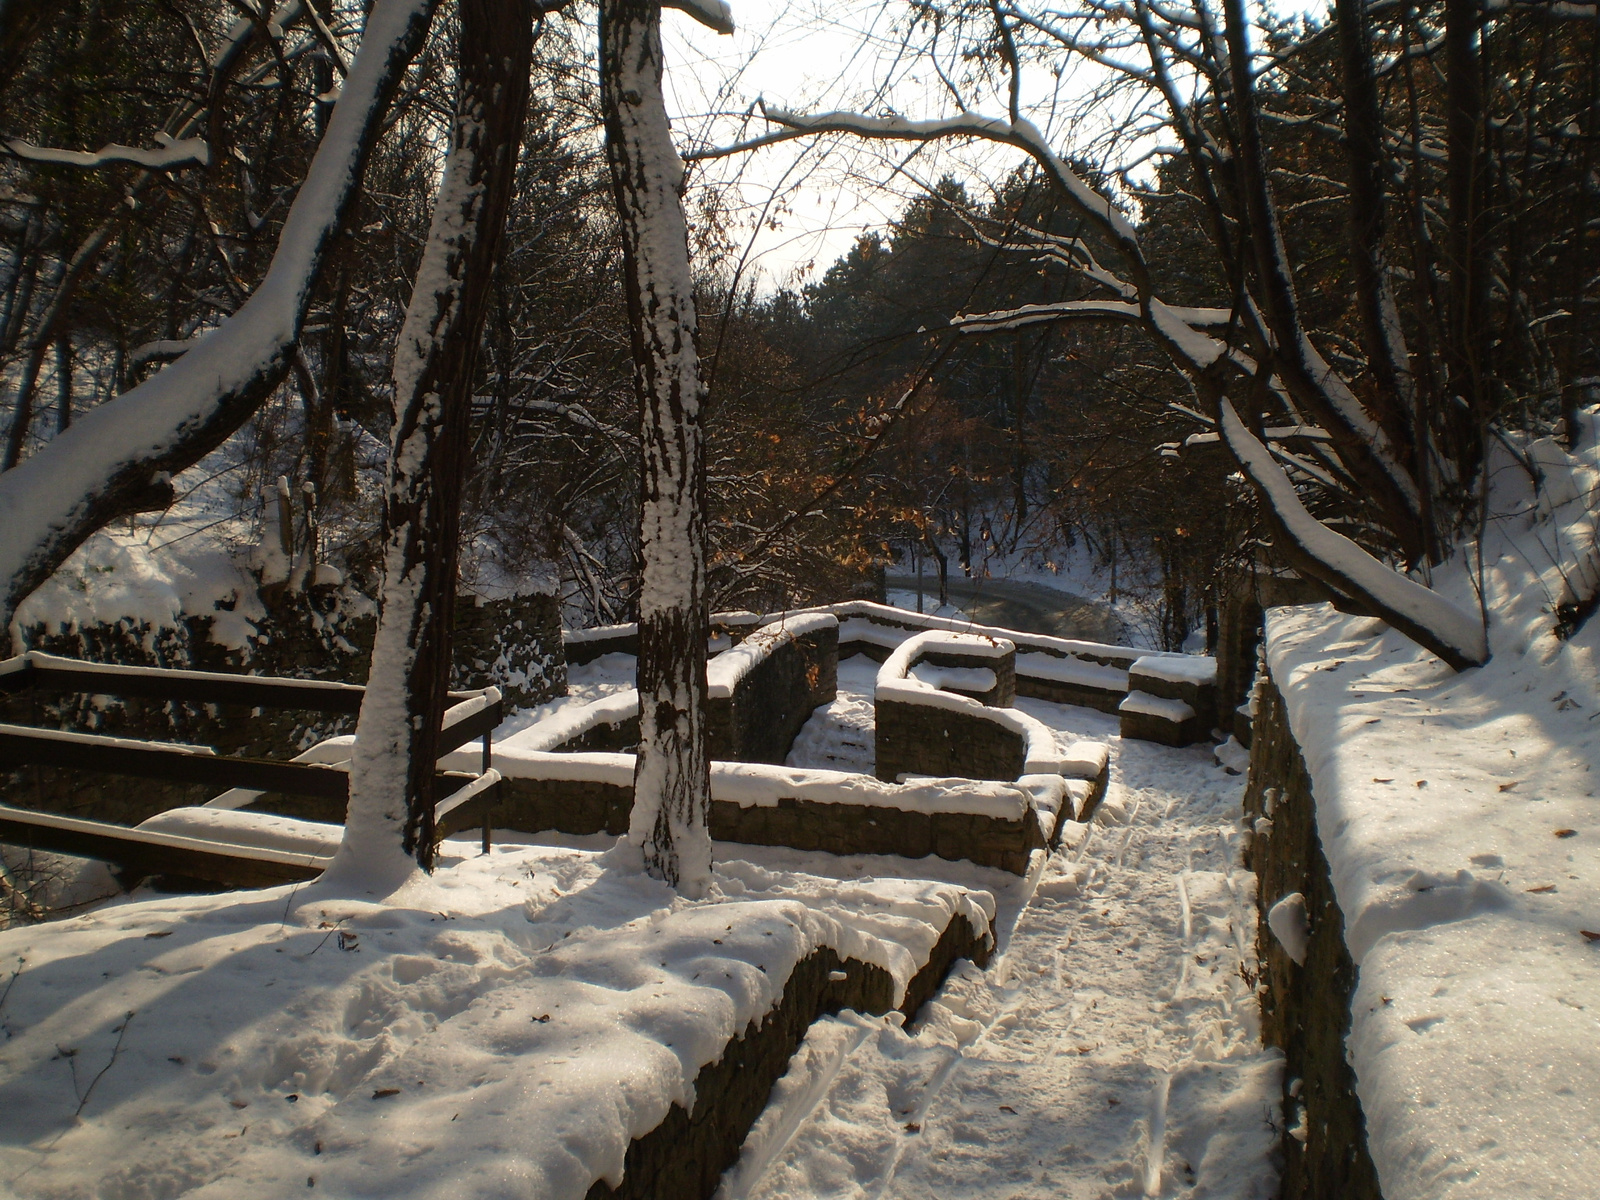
[
  {"x": 173, "y": 154},
  {"x": 1069, "y": 310},
  {"x": 1044, "y": 314},
  {"x": 243, "y": 31},
  {"x": 113, "y": 456},
  {"x": 1423, "y": 615},
  {"x": 1021, "y": 133},
  {"x": 713, "y": 14}
]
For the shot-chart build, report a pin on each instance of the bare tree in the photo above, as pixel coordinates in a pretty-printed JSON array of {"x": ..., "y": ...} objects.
[
  {"x": 1242, "y": 358},
  {"x": 672, "y": 786},
  {"x": 118, "y": 458},
  {"x": 390, "y": 820}
]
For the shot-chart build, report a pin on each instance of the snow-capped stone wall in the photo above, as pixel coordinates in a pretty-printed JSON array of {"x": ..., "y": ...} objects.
[
  {"x": 1305, "y": 1004},
  {"x": 763, "y": 690}
]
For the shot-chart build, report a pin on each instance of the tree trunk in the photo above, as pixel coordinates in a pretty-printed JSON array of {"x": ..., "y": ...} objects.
[
  {"x": 672, "y": 785},
  {"x": 1387, "y": 359},
  {"x": 391, "y": 774},
  {"x": 1467, "y": 402}
]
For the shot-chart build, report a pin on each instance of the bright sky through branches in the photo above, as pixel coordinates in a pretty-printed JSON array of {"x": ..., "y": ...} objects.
[{"x": 795, "y": 207}]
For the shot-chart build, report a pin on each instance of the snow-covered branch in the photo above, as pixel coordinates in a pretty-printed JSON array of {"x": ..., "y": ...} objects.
[
  {"x": 1123, "y": 311},
  {"x": 1420, "y": 613},
  {"x": 113, "y": 455},
  {"x": 1022, "y": 134},
  {"x": 172, "y": 155},
  {"x": 713, "y": 14}
]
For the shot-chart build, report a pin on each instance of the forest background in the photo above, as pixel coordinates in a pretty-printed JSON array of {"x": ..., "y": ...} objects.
[{"x": 849, "y": 426}]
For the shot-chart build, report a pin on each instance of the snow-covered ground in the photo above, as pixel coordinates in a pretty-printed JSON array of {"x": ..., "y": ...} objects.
[
  {"x": 505, "y": 1027},
  {"x": 1458, "y": 814},
  {"x": 1119, "y": 1015},
  {"x": 211, "y": 1046}
]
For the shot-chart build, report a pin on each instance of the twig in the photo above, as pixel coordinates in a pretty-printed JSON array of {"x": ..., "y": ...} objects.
[
  {"x": 21, "y": 962},
  {"x": 115, "y": 1050}
]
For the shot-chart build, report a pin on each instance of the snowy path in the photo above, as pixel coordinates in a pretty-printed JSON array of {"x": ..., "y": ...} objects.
[{"x": 1116, "y": 1017}]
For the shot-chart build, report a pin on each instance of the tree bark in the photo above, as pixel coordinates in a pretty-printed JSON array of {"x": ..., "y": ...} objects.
[
  {"x": 672, "y": 786},
  {"x": 391, "y": 821}
]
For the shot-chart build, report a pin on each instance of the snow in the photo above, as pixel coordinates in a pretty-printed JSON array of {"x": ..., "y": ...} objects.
[
  {"x": 73, "y": 738},
  {"x": 898, "y": 665},
  {"x": 188, "y": 839},
  {"x": 265, "y": 831},
  {"x": 1454, "y": 811},
  {"x": 1177, "y": 669},
  {"x": 713, "y": 14},
  {"x": 1289, "y": 924},
  {"x": 174, "y": 153},
  {"x": 1175, "y": 711},
  {"x": 957, "y": 679},
  {"x": 119, "y": 579},
  {"x": 573, "y": 721},
  {"x": 865, "y": 620},
  {"x": 507, "y": 1027},
  {"x": 842, "y": 735},
  {"x": 1074, "y": 671},
  {"x": 1117, "y": 982},
  {"x": 601, "y": 633}
]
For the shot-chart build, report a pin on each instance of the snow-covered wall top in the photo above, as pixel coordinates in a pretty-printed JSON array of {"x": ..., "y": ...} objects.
[
  {"x": 898, "y": 665},
  {"x": 1458, "y": 815},
  {"x": 763, "y": 785},
  {"x": 115, "y": 578},
  {"x": 724, "y": 672},
  {"x": 1187, "y": 668},
  {"x": 572, "y": 721},
  {"x": 884, "y": 625},
  {"x": 856, "y": 615}
]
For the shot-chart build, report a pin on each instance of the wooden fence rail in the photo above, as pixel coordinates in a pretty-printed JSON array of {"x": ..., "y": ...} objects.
[{"x": 463, "y": 800}]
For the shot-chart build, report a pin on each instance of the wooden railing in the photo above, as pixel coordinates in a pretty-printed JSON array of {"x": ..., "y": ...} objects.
[{"x": 462, "y": 801}]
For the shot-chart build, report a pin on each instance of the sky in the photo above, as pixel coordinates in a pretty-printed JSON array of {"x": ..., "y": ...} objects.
[{"x": 791, "y": 209}]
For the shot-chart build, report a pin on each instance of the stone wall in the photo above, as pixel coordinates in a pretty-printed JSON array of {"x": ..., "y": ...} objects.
[
  {"x": 1244, "y": 603},
  {"x": 583, "y": 807},
  {"x": 774, "y": 698},
  {"x": 1058, "y": 691},
  {"x": 923, "y": 739},
  {"x": 685, "y": 1156},
  {"x": 1305, "y": 1008},
  {"x": 513, "y": 644}
]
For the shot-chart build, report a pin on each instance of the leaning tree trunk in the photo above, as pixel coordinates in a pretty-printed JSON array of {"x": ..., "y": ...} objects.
[
  {"x": 672, "y": 786},
  {"x": 118, "y": 458},
  {"x": 391, "y": 774}
]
